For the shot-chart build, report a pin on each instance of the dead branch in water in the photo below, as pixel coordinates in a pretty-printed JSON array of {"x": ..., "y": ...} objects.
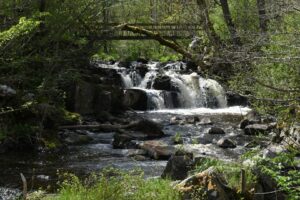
[{"x": 24, "y": 186}]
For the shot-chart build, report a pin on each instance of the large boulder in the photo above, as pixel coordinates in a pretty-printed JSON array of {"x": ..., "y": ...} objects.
[
  {"x": 291, "y": 135},
  {"x": 208, "y": 184},
  {"x": 235, "y": 99},
  {"x": 123, "y": 141},
  {"x": 205, "y": 121},
  {"x": 191, "y": 66},
  {"x": 142, "y": 69},
  {"x": 178, "y": 166},
  {"x": 103, "y": 101},
  {"x": 266, "y": 185},
  {"x": 216, "y": 131},
  {"x": 255, "y": 129},
  {"x": 125, "y": 64},
  {"x": 192, "y": 120},
  {"x": 226, "y": 143},
  {"x": 84, "y": 98},
  {"x": 6, "y": 91},
  {"x": 136, "y": 99},
  {"x": 163, "y": 83},
  {"x": 137, "y": 130},
  {"x": 10, "y": 194},
  {"x": 215, "y": 94},
  {"x": 8, "y": 96},
  {"x": 245, "y": 122},
  {"x": 89, "y": 98},
  {"x": 252, "y": 117},
  {"x": 151, "y": 128}
]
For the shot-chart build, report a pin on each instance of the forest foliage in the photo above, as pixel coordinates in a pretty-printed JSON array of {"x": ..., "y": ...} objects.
[{"x": 250, "y": 46}]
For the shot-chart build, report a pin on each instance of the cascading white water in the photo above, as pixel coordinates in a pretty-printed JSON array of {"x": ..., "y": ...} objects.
[{"x": 192, "y": 91}]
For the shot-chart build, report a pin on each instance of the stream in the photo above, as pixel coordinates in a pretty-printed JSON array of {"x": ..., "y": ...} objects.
[{"x": 184, "y": 103}]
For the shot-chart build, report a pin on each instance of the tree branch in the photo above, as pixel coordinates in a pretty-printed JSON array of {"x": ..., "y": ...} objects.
[
  {"x": 275, "y": 88},
  {"x": 168, "y": 43}
]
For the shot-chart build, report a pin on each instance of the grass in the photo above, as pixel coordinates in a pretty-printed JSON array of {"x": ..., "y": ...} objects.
[{"x": 115, "y": 185}]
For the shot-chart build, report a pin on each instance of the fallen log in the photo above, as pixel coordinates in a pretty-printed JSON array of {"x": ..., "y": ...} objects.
[
  {"x": 101, "y": 127},
  {"x": 147, "y": 127}
]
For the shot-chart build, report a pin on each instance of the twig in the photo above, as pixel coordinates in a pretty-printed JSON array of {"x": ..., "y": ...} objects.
[
  {"x": 275, "y": 191},
  {"x": 274, "y": 88},
  {"x": 269, "y": 99},
  {"x": 243, "y": 181},
  {"x": 24, "y": 186}
]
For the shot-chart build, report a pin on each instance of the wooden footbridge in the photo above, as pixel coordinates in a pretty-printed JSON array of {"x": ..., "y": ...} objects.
[{"x": 107, "y": 31}]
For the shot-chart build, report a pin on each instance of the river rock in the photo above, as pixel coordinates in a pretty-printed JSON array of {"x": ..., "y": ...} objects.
[
  {"x": 211, "y": 182},
  {"x": 136, "y": 99},
  {"x": 235, "y": 99},
  {"x": 267, "y": 185},
  {"x": 124, "y": 64},
  {"x": 192, "y": 119},
  {"x": 205, "y": 121},
  {"x": 178, "y": 166},
  {"x": 291, "y": 135},
  {"x": 255, "y": 129},
  {"x": 157, "y": 149},
  {"x": 123, "y": 141},
  {"x": 273, "y": 150},
  {"x": 163, "y": 83},
  {"x": 9, "y": 194},
  {"x": 6, "y": 91},
  {"x": 216, "y": 131},
  {"x": 245, "y": 122},
  {"x": 142, "y": 69},
  {"x": 175, "y": 120},
  {"x": 89, "y": 98},
  {"x": 253, "y": 116},
  {"x": 191, "y": 66},
  {"x": 43, "y": 177},
  {"x": 226, "y": 143}
]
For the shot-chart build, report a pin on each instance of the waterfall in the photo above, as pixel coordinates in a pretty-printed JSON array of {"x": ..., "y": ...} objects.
[
  {"x": 126, "y": 79},
  {"x": 178, "y": 90}
]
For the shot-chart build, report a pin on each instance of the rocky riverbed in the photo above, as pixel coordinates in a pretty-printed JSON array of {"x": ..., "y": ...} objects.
[
  {"x": 211, "y": 133},
  {"x": 168, "y": 109}
]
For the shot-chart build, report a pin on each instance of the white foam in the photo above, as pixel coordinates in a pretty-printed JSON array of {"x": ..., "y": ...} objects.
[{"x": 235, "y": 110}]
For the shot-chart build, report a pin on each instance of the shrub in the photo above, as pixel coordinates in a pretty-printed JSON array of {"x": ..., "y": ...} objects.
[{"x": 116, "y": 185}]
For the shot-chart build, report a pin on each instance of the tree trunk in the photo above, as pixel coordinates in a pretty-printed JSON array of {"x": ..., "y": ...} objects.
[
  {"x": 42, "y": 7},
  {"x": 228, "y": 20},
  {"x": 197, "y": 58},
  {"x": 263, "y": 22},
  {"x": 207, "y": 25}
]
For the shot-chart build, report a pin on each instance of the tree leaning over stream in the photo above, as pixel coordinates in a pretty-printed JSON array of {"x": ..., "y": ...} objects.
[{"x": 248, "y": 45}]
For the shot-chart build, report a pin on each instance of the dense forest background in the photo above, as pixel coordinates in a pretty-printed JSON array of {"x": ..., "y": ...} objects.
[
  {"x": 252, "y": 47},
  {"x": 250, "y": 43}
]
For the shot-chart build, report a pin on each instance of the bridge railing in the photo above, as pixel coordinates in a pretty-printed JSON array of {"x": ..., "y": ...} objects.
[{"x": 167, "y": 30}]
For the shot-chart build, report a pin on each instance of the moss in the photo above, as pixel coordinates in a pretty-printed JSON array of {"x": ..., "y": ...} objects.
[
  {"x": 2, "y": 135},
  {"x": 51, "y": 143},
  {"x": 71, "y": 117}
]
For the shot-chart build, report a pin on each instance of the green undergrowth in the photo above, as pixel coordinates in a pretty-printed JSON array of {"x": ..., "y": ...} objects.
[
  {"x": 283, "y": 170},
  {"x": 115, "y": 185},
  {"x": 231, "y": 171}
]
